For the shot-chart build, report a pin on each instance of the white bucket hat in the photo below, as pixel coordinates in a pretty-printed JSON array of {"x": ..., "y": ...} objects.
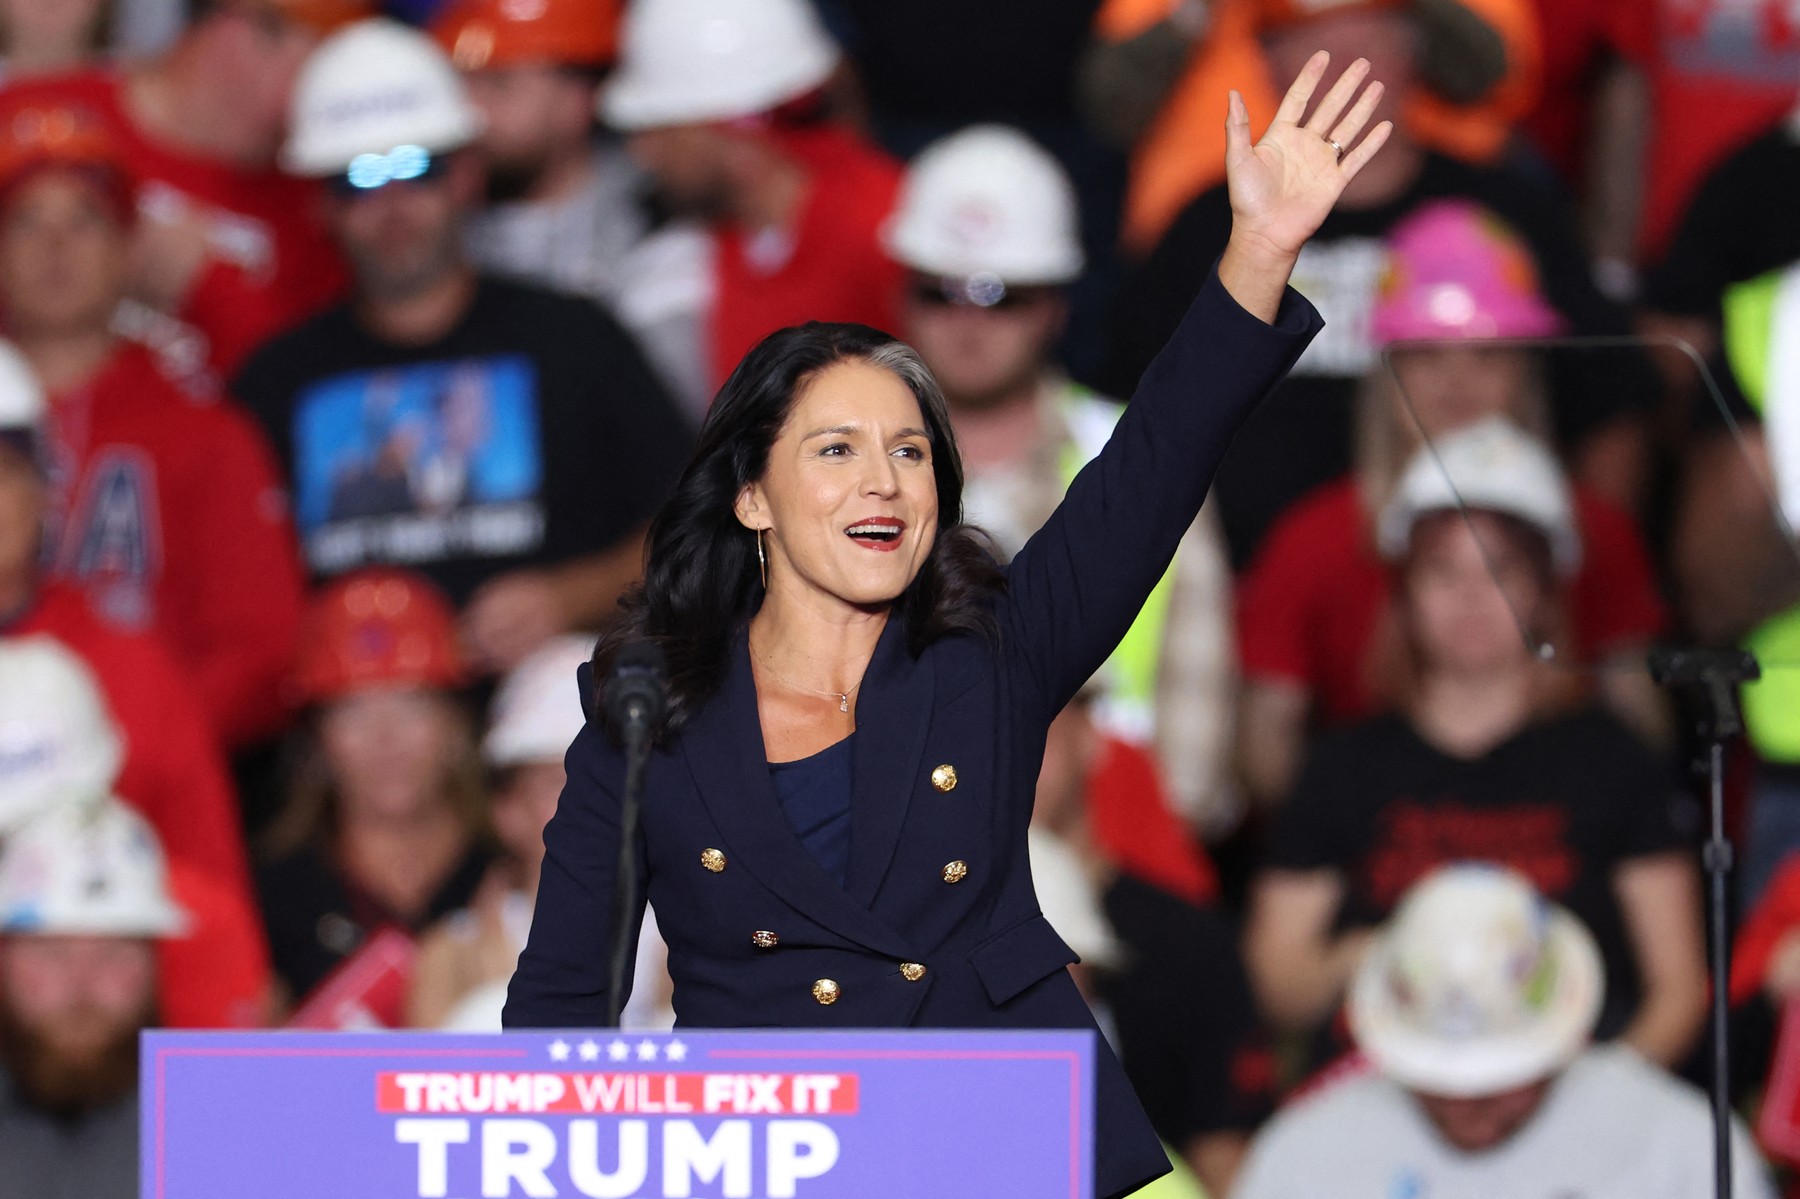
[
  {"x": 1490, "y": 466},
  {"x": 1478, "y": 985}
]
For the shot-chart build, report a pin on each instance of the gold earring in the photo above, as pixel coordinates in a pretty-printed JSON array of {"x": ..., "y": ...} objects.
[{"x": 762, "y": 562}]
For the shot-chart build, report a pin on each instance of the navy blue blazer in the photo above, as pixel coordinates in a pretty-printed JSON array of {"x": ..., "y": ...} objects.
[{"x": 937, "y": 925}]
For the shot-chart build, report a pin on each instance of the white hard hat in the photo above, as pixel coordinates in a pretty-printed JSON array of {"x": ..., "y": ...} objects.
[
  {"x": 688, "y": 61},
  {"x": 58, "y": 743},
  {"x": 1490, "y": 466},
  {"x": 87, "y": 869},
  {"x": 537, "y": 711},
  {"x": 1477, "y": 986},
  {"x": 987, "y": 201},
  {"x": 1070, "y": 901},
  {"x": 21, "y": 395},
  {"x": 372, "y": 88}
]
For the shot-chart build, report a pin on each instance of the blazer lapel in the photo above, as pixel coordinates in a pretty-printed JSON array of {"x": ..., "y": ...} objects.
[
  {"x": 893, "y": 715},
  {"x": 723, "y": 747}
]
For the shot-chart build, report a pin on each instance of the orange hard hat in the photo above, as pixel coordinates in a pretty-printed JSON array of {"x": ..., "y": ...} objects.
[
  {"x": 321, "y": 16},
  {"x": 501, "y": 33},
  {"x": 37, "y": 134},
  {"x": 377, "y": 626}
]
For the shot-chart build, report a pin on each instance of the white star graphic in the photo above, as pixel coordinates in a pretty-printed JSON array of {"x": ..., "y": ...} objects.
[
  {"x": 589, "y": 1051},
  {"x": 646, "y": 1051},
  {"x": 618, "y": 1051},
  {"x": 675, "y": 1051},
  {"x": 559, "y": 1050}
]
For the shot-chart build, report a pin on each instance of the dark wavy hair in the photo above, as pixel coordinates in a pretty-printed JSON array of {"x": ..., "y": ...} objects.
[{"x": 701, "y": 581}]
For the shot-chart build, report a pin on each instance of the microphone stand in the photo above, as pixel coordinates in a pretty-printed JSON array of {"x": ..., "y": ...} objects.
[
  {"x": 637, "y": 752},
  {"x": 635, "y": 698},
  {"x": 1710, "y": 679}
]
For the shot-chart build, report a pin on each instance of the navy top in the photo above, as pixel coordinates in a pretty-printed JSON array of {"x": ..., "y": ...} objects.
[{"x": 814, "y": 794}]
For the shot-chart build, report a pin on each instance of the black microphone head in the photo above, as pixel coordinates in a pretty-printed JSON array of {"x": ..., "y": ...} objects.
[
  {"x": 636, "y": 692},
  {"x": 640, "y": 655}
]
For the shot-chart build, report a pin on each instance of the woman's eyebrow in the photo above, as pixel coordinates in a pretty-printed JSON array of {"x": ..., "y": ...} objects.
[{"x": 844, "y": 430}]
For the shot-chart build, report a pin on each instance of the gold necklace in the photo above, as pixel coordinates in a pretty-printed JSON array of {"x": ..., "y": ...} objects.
[{"x": 843, "y": 697}]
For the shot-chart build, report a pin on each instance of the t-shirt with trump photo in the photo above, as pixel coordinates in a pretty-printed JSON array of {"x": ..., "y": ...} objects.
[
  {"x": 531, "y": 433},
  {"x": 1565, "y": 802}
]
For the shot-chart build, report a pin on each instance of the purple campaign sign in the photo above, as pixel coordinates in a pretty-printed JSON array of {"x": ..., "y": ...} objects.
[{"x": 781, "y": 1115}]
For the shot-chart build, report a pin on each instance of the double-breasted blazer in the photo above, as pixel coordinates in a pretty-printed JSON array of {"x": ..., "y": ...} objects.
[{"x": 937, "y": 924}]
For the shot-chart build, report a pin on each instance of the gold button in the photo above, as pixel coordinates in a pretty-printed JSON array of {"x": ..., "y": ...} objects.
[
  {"x": 944, "y": 777},
  {"x": 826, "y": 991},
  {"x": 713, "y": 860},
  {"x": 912, "y": 972},
  {"x": 762, "y": 938},
  {"x": 956, "y": 871}
]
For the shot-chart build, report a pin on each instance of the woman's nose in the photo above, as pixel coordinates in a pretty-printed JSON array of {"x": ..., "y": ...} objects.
[{"x": 882, "y": 477}]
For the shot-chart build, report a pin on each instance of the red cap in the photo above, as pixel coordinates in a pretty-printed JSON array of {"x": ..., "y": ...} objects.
[
  {"x": 45, "y": 133},
  {"x": 373, "y": 627},
  {"x": 501, "y": 33}
]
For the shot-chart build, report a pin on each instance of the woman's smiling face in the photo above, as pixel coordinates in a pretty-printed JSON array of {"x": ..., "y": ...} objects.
[{"x": 849, "y": 496}]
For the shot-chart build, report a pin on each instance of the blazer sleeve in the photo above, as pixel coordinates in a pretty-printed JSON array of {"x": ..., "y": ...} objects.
[
  {"x": 562, "y": 976},
  {"x": 1077, "y": 585}
]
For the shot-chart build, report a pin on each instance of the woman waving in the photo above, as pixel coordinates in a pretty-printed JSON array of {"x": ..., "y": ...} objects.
[{"x": 834, "y": 830}]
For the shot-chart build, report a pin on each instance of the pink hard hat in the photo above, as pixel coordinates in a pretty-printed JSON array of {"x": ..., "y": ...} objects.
[{"x": 1455, "y": 270}]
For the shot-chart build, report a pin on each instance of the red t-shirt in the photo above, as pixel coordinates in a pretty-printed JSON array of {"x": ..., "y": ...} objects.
[
  {"x": 1721, "y": 72},
  {"x": 836, "y": 270},
  {"x": 169, "y": 519},
  {"x": 174, "y": 774},
  {"x": 272, "y": 263},
  {"x": 1311, "y": 604}
]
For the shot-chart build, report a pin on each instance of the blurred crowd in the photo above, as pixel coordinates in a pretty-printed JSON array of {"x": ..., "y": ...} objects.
[{"x": 349, "y": 348}]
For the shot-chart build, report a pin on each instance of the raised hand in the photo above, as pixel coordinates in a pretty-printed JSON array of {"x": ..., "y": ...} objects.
[{"x": 1283, "y": 186}]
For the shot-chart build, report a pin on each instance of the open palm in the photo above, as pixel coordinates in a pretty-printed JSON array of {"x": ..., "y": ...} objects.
[{"x": 1283, "y": 186}]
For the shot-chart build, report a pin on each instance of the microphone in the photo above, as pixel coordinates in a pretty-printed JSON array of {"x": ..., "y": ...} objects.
[
  {"x": 635, "y": 697},
  {"x": 636, "y": 693}
]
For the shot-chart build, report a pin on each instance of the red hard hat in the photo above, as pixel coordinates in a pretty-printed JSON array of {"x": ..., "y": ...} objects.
[
  {"x": 501, "y": 33},
  {"x": 373, "y": 627}
]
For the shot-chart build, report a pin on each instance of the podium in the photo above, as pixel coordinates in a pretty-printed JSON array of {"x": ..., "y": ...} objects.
[{"x": 605, "y": 1115}]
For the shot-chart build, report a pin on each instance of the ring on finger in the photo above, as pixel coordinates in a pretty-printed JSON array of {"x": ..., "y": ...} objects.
[{"x": 1336, "y": 146}]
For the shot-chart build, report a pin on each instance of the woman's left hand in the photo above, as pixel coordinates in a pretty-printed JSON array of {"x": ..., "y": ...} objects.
[{"x": 1283, "y": 186}]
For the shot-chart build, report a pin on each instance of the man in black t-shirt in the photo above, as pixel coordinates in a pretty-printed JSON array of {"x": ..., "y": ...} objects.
[
  {"x": 505, "y": 441},
  {"x": 1302, "y": 435}
]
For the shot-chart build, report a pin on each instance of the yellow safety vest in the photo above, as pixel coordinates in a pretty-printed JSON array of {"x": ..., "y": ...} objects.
[
  {"x": 1771, "y": 705},
  {"x": 1132, "y": 669}
]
